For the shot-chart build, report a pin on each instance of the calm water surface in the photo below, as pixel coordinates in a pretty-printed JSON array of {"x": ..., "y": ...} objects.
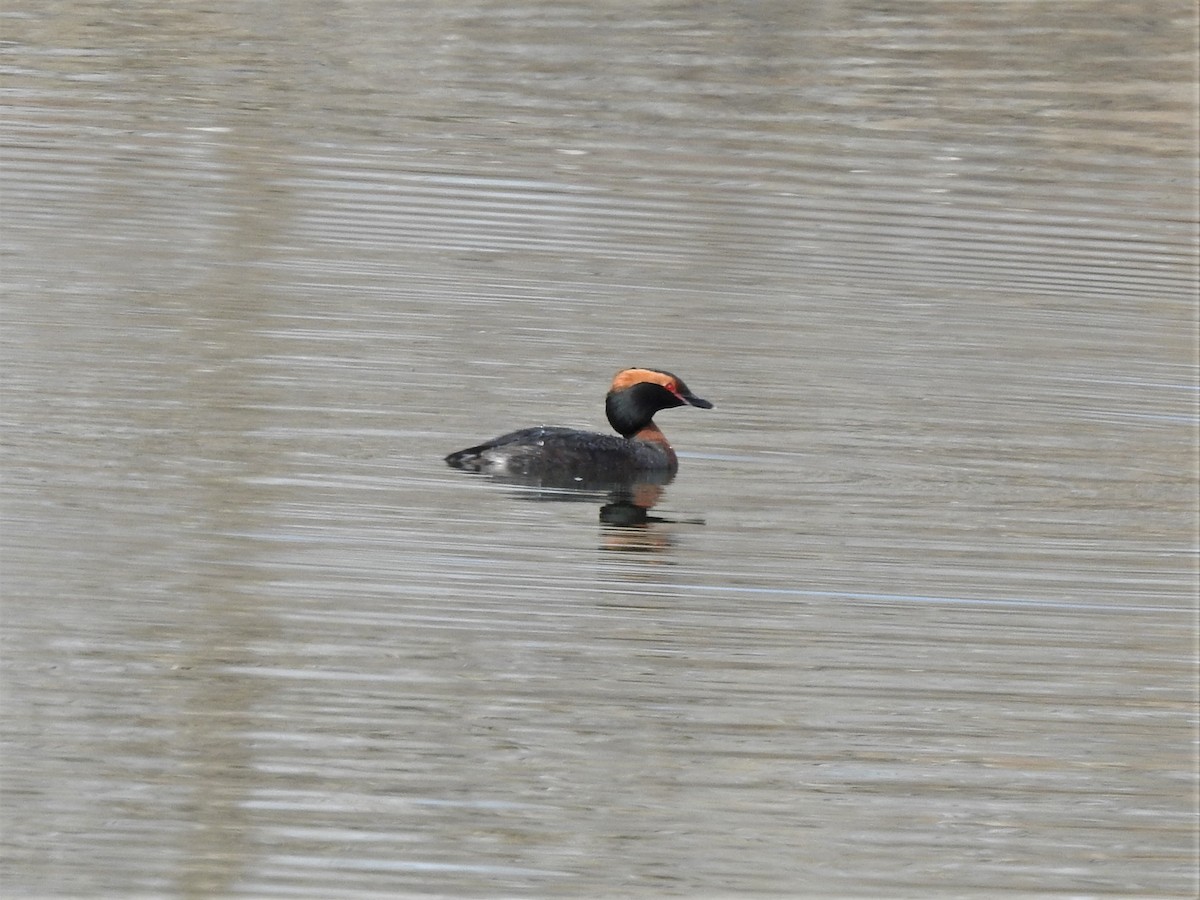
[{"x": 916, "y": 619}]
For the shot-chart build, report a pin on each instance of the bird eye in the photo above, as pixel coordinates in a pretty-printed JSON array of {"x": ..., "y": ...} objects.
[{"x": 670, "y": 386}]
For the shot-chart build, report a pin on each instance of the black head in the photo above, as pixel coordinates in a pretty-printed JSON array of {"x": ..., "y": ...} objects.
[{"x": 637, "y": 394}]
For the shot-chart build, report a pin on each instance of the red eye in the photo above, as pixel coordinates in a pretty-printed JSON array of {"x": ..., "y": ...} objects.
[{"x": 670, "y": 386}]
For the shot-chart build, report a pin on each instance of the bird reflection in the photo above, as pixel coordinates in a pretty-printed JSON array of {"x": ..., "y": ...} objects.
[{"x": 625, "y": 504}]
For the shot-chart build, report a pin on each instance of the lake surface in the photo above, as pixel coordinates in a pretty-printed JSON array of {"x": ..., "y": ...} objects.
[{"x": 918, "y": 616}]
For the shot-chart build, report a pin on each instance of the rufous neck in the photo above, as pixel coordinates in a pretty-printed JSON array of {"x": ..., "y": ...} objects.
[{"x": 651, "y": 434}]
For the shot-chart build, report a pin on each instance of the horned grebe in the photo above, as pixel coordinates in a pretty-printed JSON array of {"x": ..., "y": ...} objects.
[{"x": 635, "y": 396}]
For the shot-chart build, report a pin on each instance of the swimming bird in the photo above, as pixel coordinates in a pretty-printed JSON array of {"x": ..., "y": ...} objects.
[{"x": 553, "y": 451}]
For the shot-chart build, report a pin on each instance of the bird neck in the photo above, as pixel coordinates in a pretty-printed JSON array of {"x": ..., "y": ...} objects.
[{"x": 651, "y": 434}]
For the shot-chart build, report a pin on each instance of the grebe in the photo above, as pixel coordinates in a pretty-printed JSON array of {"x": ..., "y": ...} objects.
[{"x": 551, "y": 450}]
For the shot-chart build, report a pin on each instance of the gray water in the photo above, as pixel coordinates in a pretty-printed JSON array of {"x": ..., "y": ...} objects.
[{"x": 916, "y": 619}]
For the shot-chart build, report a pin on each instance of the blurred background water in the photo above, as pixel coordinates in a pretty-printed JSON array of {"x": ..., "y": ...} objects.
[{"x": 919, "y": 615}]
